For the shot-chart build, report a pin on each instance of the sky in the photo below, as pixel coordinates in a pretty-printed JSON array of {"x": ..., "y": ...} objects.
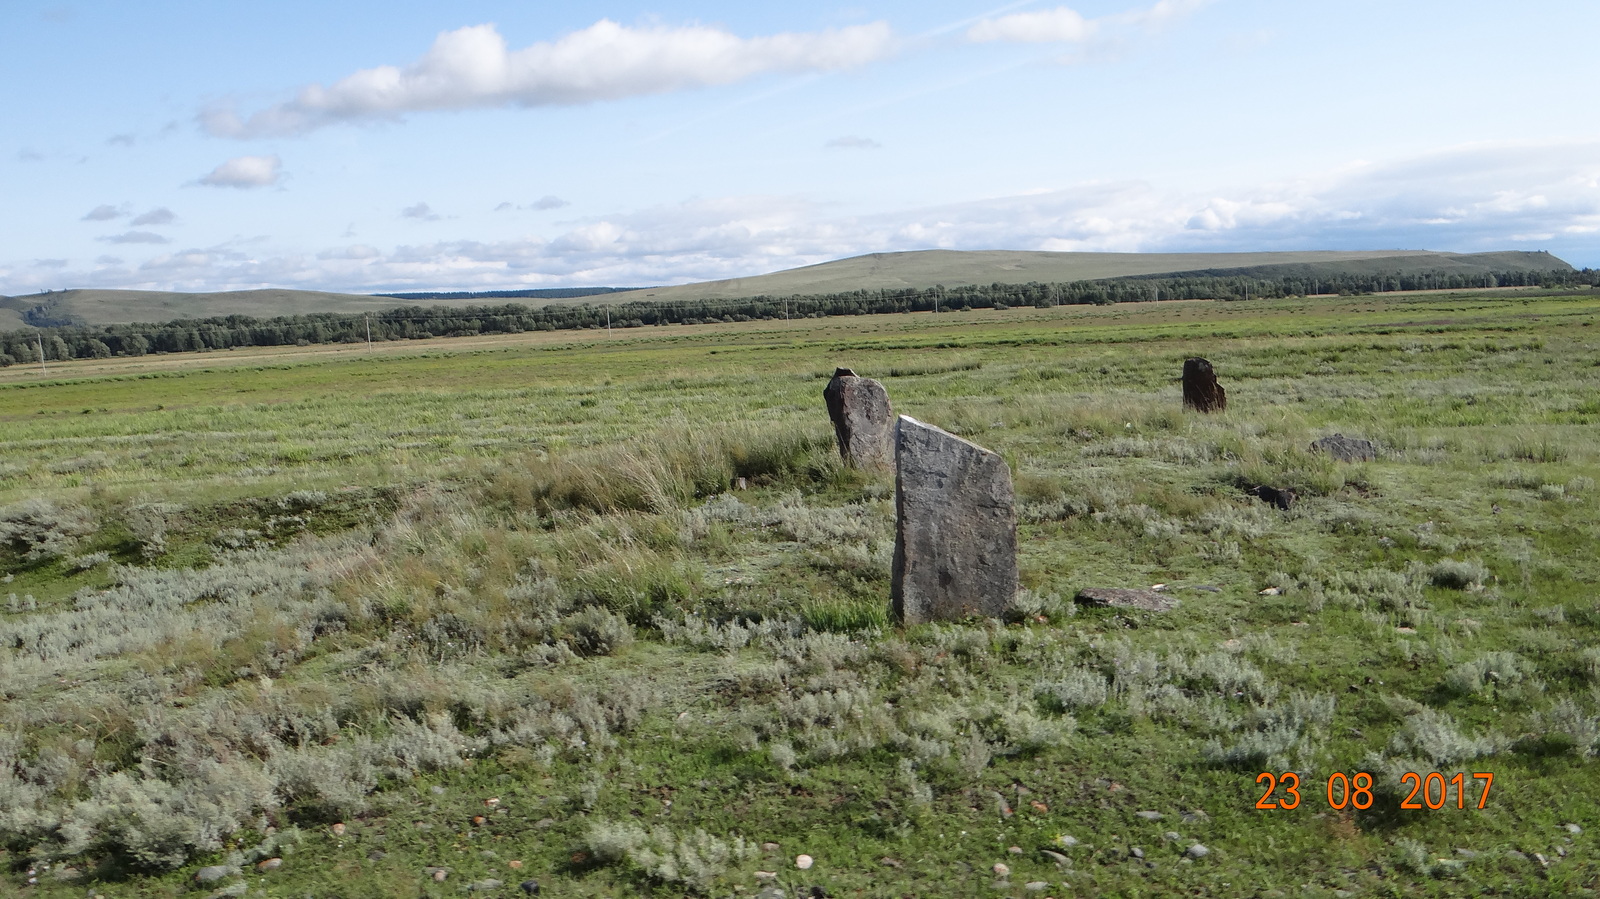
[{"x": 365, "y": 147}]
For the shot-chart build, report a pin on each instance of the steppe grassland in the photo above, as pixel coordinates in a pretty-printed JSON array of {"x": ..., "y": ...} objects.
[{"x": 539, "y": 592}]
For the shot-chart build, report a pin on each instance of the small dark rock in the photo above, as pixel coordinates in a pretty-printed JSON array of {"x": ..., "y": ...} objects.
[
  {"x": 531, "y": 887},
  {"x": 1282, "y": 497}
]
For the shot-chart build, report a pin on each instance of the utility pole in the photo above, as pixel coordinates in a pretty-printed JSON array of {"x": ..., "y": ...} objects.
[
  {"x": 39, "y": 336},
  {"x": 369, "y": 332}
]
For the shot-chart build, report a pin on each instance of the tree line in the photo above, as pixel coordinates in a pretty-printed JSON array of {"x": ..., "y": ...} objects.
[{"x": 418, "y": 322}]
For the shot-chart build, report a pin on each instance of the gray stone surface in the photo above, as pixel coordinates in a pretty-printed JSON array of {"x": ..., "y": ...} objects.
[
  {"x": 862, "y": 420},
  {"x": 1121, "y": 598},
  {"x": 1346, "y": 449},
  {"x": 955, "y": 547},
  {"x": 214, "y": 873}
]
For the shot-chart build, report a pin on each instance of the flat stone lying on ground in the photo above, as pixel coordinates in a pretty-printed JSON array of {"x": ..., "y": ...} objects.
[
  {"x": 862, "y": 419},
  {"x": 1201, "y": 392},
  {"x": 1346, "y": 449},
  {"x": 955, "y": 546},
  {"x": 1123, "y": 598}
]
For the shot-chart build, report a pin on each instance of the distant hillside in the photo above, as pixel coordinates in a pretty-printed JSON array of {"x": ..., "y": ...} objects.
[
  {"x": 542, "y": 293},
  {"x": 878, "y": 271},
  {"x": 957, "y": 268}
]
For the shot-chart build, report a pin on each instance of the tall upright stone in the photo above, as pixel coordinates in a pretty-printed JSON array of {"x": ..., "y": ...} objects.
[
  {"x": 862, "y": 419},
  {"x": 1201, "y": 392},
  {"x": 955, "y": 539}
]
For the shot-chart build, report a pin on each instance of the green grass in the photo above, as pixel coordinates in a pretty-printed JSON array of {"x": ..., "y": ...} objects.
[{"x": 333, "y": 582}]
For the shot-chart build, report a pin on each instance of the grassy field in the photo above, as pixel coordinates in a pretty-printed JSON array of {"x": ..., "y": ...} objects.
[{"x": 455, "y": 615}]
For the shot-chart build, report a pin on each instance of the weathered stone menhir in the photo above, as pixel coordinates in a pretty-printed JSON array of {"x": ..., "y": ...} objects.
[
  {"x": 1346, "y": 449},
  {"x": 955, "y": 541},
  {"x": 862, "y": 419},
  {"x": 1201, "y": 392}
]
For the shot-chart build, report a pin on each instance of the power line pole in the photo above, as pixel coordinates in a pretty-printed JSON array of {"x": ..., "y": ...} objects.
[
  {"x": 369, "y": 333},
  {"x": 39, "y": 336}
]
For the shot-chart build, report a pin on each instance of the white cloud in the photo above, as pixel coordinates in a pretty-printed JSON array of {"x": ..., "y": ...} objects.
[
  {"x": 1066, "y": 25},
  {"x": 421, "y": 212},
  {"x": 135, "y": 237},
  {"x": 105, "y": 212},
  {"x": 159, "y": 216},
  {"x": 246, "y": 172},
  {"x": 549, "y": 201},
  {"x": 1469, "y": 198},
  {"x": 1059, "y": 24},
  {"x": 850, "y": 142},
  {"x": 473, "y": 68}
]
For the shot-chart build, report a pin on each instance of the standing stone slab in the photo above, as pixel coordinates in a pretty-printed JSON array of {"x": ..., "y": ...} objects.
[
  {"x": 862, "y": 419},
  {"x": 955, "y": 540},
  {"x": 1201, "y": 392},
  {"x": 1346, "y": 449}
]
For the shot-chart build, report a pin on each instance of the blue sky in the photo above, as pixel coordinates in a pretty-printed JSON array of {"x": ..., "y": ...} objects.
[{"x": 481, "y": 145}]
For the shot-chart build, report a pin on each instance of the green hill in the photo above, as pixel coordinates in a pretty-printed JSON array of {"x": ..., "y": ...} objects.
[
  {"x": 922, "y": 268},
  {"x": 954, "y": 268}
]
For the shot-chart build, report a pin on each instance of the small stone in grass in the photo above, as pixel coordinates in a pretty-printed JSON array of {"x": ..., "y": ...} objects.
[
  {"x": 1197, "y": 851},
  {"x": 1150, "y": 816},
  {"x": 1001, "y": 869},
  {"x": 1015, "y": 850},
  {"x": 515, "y": 863},
  {"x": 436, "y": 790},
  {"x": 1067, "y": 841},
  {"x": 1036, "y": 886},
  {"x": 888, "y": 862},
  {"x": 1572, "y": 828},
  {"x": 531, "y": 887},
  {"x": 766, "y": 875},
  {"x": 269, "y": 864},
  {"x": 214, "y": 873},
  {"x": 440, "y": 875},
  {"x": 1136, "y": 852},
  {"x": 769, "y": 847},
  {"x": 338, "y": 829},
  {"x": 1172, "y": 836},
  {"x": 1056, "y": 857},
  {"x": 803, "y": 862}
]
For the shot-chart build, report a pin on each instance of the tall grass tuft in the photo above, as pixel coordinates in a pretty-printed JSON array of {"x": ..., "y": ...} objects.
[{"x": 661, "y": 472}]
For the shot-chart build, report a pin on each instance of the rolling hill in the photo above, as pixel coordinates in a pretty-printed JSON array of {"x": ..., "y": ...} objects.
[
  {"x": 953, "y": 268},
  {"x": 921, "y": 268}
]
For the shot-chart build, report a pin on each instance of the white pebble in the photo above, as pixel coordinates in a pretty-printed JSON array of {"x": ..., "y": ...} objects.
[
  {"x": 803, "y": 862},
  {"x": 1001, "y": 869}
]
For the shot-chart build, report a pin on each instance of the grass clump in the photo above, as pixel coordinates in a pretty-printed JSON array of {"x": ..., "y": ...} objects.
[{"x": 695, "y": 860}]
